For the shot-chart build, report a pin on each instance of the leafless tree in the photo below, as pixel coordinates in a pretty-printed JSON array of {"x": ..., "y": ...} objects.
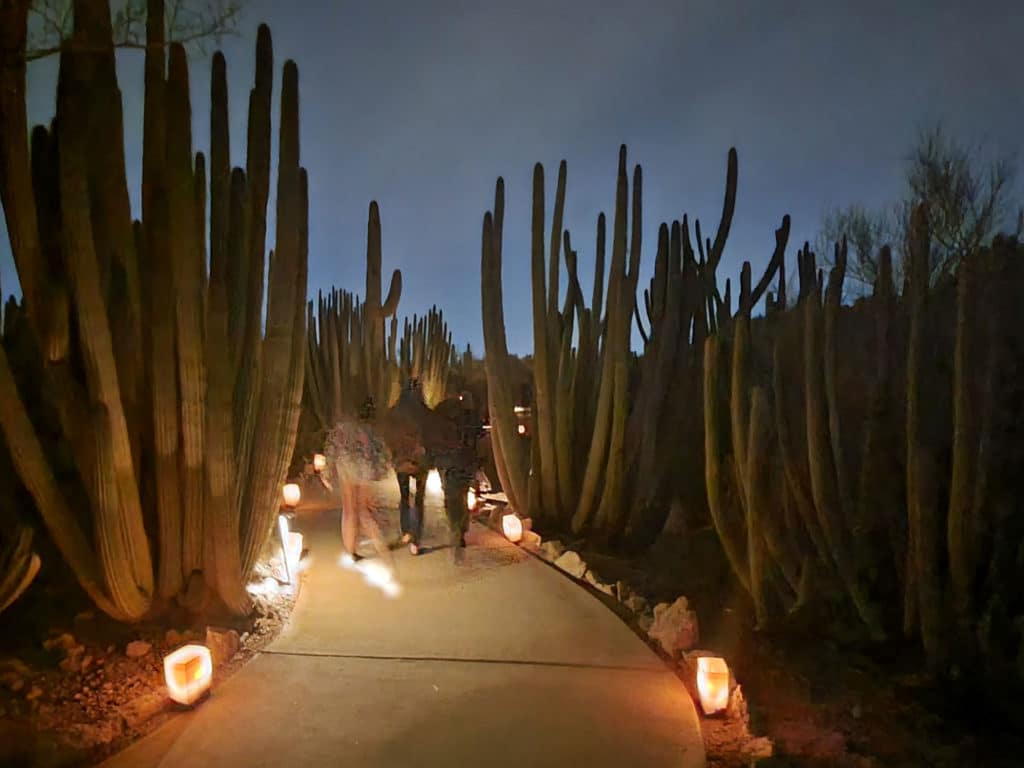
[
  {"x": 865, "y": 231},
  {"x": 968, "y": 196},
  {"x": 190, "y": 22}
]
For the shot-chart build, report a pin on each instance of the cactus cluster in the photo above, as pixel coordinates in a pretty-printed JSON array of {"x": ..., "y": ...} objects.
[
  {"x": 591, "y": 389},
  {"x": 426, "y": 353},
  {"x": 864, "y": 452},
  {"x": 347, "y": 359},
  {"x": 177, "y": 409},
  {"x": 342, "y": 368}
]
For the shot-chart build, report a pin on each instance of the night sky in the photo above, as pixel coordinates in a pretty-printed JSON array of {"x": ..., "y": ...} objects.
[{"x": 421, "y": 105}]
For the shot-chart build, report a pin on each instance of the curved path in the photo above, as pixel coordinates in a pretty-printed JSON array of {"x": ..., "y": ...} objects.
[{"x": 499, "y": 661}]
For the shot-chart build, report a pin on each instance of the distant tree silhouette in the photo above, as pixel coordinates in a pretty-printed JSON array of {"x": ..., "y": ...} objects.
[
  {"x": 967, "y": 192},
  {"x": 189, "y": 22}
]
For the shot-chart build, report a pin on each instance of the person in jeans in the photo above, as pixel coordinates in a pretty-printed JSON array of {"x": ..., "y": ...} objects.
[{"x": 410, "y": 517}]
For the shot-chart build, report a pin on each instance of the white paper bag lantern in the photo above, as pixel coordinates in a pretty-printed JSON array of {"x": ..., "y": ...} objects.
[
  {"x": 512, "y": 527},
  {"x": 292, "y": 494},
  {"x": 188, "y": 672},
  {"x": 712, "y": 684}
]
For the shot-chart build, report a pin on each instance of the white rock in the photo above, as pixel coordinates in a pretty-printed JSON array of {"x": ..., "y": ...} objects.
[
  {"x": 531, "y": 540},
  {"x": 572, "y": 563},
  {"x": 674, "y": 627},
  {"x": 552, "y": 550},
  {"x": 595, "y": 582},
  {"x": 223, "y": 644},
  {"x": 136, "y": 649}
]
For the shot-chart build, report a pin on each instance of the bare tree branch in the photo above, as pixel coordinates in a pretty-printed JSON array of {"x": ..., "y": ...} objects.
[{"x": 189, "y": 22}]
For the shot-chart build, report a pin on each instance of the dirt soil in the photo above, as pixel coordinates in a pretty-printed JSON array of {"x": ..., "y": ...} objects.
[
  {"x": 75, "y": 686},
  {"x": 813, "y": 701}
]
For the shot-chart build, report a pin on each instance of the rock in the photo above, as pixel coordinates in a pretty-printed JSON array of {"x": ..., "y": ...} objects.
[
  {"x": 63, "y": 642},
  {"x": 531, "y": 540},
  {"x": 572, "y": 563},
  {"x": 644, "y": 621},
  {"x": 223, "y": 644},
  {"x": 34, "y": 693},
  {"x": 16, "y": 684},
  {"x": 551, "y": 550},
  {"x": 674, "y": 627},
  {"x": 71, "y": 665},
  {"x": 736, "y": 709},
  {"x": 636, "y": 603},
  {"x": 591, "y": 579},
  {"x": 136, "y": 649}
]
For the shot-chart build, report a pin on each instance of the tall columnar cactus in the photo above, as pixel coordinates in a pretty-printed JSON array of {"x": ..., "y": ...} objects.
[
  {"x": 210, "y": 410},
  {"x": 349, "y": 355},
  {"x": 375, "y": 313},
  {"x": 510, "y": 455}
]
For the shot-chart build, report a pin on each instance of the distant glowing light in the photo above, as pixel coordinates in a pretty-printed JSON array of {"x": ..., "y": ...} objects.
[
  {"x": 521, "y": 409},
  {"x": 319, "y": 462},
  {"x": 434, "y": 482},
  {"x": 522, "y": 429},
  {"x": 471, "y": 499},
  {"x": 188, "y": 672},
  {"x": 292, "y": 494}
]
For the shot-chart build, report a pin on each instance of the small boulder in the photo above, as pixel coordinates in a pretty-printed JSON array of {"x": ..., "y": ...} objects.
[
  {"x": 223, "y": 644},
  {"x": 136, "y": 649},
  {"x": 63, "y": 642},
  {"x": 531, "y": 540},
  {"x": 674, "y": 627},
  {"x": 597, "y": 584},
  {"x": 644, "y": 621},
  {"x": 572, "y": 563},
  {"x": 636, "y": 603},
  {"x": 552, "y": 550},
  {"x": 34, "y": 693}
]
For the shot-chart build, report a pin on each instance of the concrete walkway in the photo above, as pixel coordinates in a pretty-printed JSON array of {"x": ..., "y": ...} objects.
[{"x": 500, "y": 661}]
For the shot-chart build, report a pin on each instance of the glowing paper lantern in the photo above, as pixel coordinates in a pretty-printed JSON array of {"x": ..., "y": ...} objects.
[
  {"x": 188, "y": 672},
  {"x": 712, "y": 684},
  {"x": 471, "y": 499},
  {"x": 434, "y": 482},
  {"x": 319, "y": 462},
  {"x": 512, "y": 527},
  {"x": 292, "y": 494}
]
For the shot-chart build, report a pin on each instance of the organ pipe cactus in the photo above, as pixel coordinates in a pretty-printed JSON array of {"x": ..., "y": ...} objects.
[
  {"x": 348, "y": 355},
  {"x": 210, "y": 410}
]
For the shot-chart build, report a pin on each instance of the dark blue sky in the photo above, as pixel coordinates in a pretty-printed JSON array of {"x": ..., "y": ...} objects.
[{"x": 422, "y": 104}]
